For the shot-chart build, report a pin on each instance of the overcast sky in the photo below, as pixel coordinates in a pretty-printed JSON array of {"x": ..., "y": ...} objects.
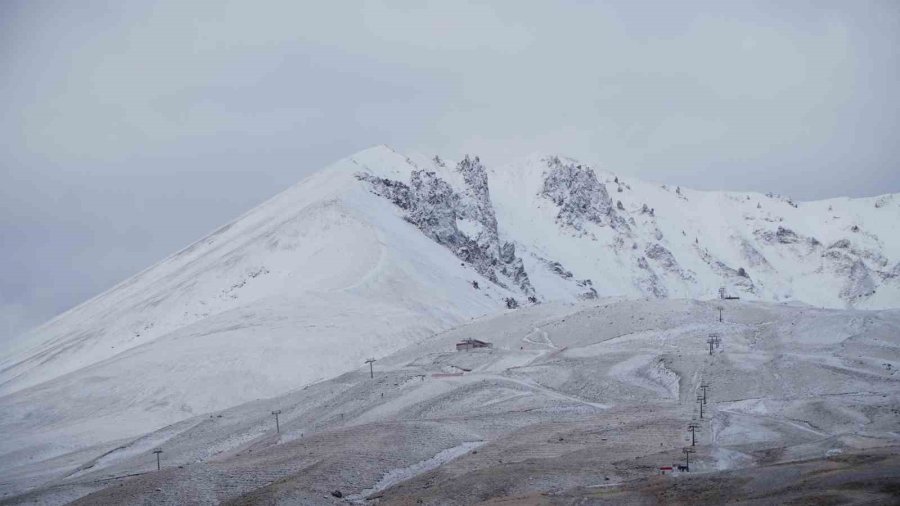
[{"x": 130, "y": 129}]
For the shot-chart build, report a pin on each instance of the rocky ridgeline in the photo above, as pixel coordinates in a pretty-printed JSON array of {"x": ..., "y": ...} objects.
[
  {"x": 464, "y": 220},
  {"x": 439, "y": 211}
]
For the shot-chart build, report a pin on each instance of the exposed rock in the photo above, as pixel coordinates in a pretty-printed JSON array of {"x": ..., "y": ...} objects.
[
  {"x": 437, "y": 210},
  {"x": 475, "y": 203},
  {"x": 513, "y": 267},
  {"x": 840, "y": 244},
  {"x": 753, "y": 256},
  {"x": 591, "y": 293},
  {"x": 578, "y": 193},
  {"x": 395, "y": 191},
  {"x": 859, "y": 282},
  {"x": 650, "y": 282},
  {"x": 786, "y": 236},
  {"x": 781, "y": 236},
  {"x": 662, "y": 256},
  {"x": 432, "y": 207},
  {"x": 558, "y": 269},
  {"x": 845, "y": 263}
]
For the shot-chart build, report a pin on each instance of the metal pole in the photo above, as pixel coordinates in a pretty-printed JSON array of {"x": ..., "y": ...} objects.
[
  {"x": 157, "y": 452},
  {"x": 700, "y": 402},
  {"x": 693, "y": 428},
  {"x": 371, "y": 371},
  {"x": 277, "y": 425},
  {"x": 687, "y": 458}
]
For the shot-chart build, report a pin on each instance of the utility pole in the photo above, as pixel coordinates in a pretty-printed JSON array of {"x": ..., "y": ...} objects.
[
  {"x": 371, "y": 372},
  {"x": 687, "y": 457},
  {"x": 700, "y": 402},
  {"x": 693, "y": 428},
  {"x": 714, "y": 337},
  {"x": 710, "y": 342},
  {"x": 720, "y": 308},
  {"x": 704, "y": 386},
  {"x": 277, "y": 425},
  {"x": 157, "y": 452}
]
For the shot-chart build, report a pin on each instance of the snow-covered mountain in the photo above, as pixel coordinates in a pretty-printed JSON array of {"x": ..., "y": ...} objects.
[{"x": 380, "y": 250}]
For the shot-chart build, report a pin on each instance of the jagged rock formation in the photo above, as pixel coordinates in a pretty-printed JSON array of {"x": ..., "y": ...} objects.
[
  {"x": 439, "y": 211},
  {"x": 580, "y": 196}
]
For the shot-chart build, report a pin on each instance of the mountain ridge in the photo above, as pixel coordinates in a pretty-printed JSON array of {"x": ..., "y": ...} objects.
[{"x": 378, "y": 250}]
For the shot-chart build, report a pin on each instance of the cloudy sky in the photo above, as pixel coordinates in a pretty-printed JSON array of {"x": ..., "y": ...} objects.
[{"x": 130, "y": 129}]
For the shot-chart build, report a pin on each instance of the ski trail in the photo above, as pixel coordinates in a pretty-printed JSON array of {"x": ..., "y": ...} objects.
[
  {"x": 395, "y": 476},
  {"x": 552, "y": 393}
]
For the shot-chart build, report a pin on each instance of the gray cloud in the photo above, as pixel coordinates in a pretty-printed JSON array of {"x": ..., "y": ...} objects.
[{"x": 132, "y": 128}]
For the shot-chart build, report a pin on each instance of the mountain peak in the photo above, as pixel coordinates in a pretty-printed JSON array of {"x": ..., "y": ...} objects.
[{"x": 380, "y": 250}]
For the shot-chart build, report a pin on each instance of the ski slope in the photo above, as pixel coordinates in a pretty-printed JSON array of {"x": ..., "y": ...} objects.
[{"x": 336, "y": 270}]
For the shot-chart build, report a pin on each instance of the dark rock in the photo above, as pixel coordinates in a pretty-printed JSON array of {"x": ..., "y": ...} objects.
[{"x": 578, "y": 193}]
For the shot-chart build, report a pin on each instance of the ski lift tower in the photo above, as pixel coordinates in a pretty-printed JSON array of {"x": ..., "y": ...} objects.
[{"x": 157, "y": 452}]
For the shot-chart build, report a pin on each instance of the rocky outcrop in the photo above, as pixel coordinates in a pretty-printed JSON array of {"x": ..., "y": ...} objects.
[
  {"x": 475, "y": 202},
  {"x": 580, "y": 196},
  {"x": 432, "y": 208},
  {"x": 846, "y": 262},
  {"x": 752, "y": 255},
  {"x": 666, "y": 262},
  {"x": 395, "y": 191},
  {"x": 439, "y": 211},
  {"x": 649, "y": 283},
  {"x": 662, "y": 256},
  {"x": 781, "y": 235}
]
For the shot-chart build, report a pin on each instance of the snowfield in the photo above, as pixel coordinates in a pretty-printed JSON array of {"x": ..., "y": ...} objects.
[
  {"x": 593, "y": 416},
  {"x": 394, "y": 257}
]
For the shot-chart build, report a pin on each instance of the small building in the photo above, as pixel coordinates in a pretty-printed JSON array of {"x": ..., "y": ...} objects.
[
  {"x": 471, "y": 344},
  {"x": 724, "y": 295}
]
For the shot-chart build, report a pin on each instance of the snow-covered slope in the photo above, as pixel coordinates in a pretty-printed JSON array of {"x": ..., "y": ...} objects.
[
  {"x": 306, "y": 286},
  {"x": 591, "y": 394},
  {"x": 380, "y": 250},
  {"x": 639, "y": 239}
]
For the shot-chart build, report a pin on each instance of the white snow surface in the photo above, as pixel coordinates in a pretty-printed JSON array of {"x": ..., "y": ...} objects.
[{"x": 327, "y": 274}]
